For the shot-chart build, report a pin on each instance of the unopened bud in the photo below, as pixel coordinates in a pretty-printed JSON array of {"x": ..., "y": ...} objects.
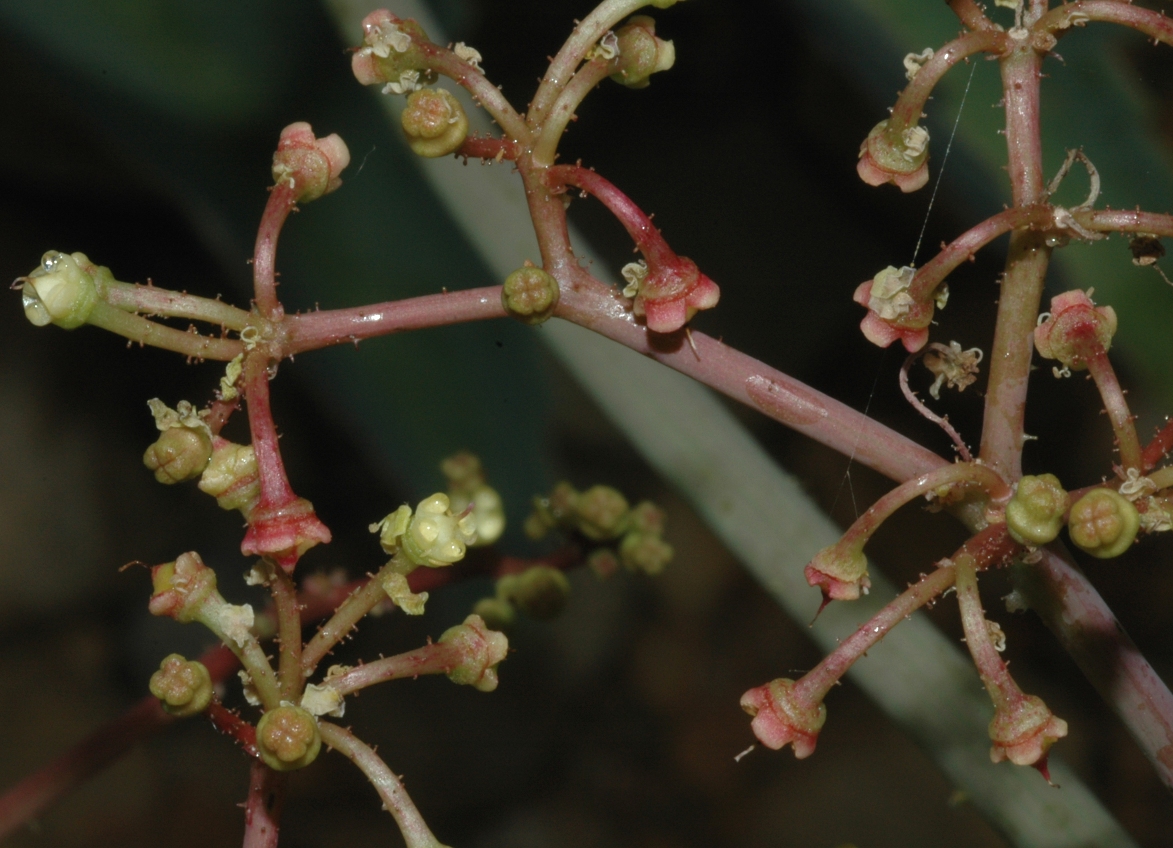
[
  {"x": 62, "y": 290},
  {"x": 434, "y": 122},
  {"x": 645, "y": 552},
  {"x": 311, "y": 165},
  {"x": 182, "y": 588},
  {"x": 530, "y": 295},
  {"x": 288, "y": 738},
  {"x": 480, "y": 648},
  {"x": 601, "y": 513},
  {"x": 540, "y": 592},
  {"x": 231, "y": 476},
  {"x": 781, "y": 718},
  {"x": 1075, "y": 330},
  {"x": 1103, "y": 523},
  {"x": 184, "y": 686},
  {"x": 1034, "y": 515},
  {"x": 641, "y": 54}
]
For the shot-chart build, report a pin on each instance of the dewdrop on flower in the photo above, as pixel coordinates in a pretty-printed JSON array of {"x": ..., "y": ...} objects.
[{"x": 62, "y": 290}]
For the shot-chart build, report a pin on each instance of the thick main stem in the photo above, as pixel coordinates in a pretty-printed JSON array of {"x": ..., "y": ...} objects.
[
  {"x": 262, "y": 811},
  {"x": 1026, "y": 268}
]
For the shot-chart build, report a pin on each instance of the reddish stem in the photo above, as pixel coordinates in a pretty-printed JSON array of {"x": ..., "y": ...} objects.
[
  {"x": 1060, "y": 21},
  {"x": 230, "y": 724},
  {"x": 1158, "y": 448},
  {"x": 1124, "y": 221},
  {"x": 282, "y": 199},
  {"x": 484, "y": 147},
  {"x": 262, "y": 811},
  {"x": 1117, "y": 407},
  {"x": 1004, "y": 692},
  {"x": 910, "y": 104},
  {"x": 971, "y": 14},
  {"x": 638, "y": 225},
  {"x": 288, "y": 635},
  {"x": 941, "y": 421},
  {"x": 437, "y": 658}
]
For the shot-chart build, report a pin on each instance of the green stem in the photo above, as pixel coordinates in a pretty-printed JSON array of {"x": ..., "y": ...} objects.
[
  {"x": 562, "y": 113},
  {"x": 289, "y": 672},
  {"x": 132, "y": 297},
  {"x": 145, "y": 332},
  {"x": 415, "y": 830}
]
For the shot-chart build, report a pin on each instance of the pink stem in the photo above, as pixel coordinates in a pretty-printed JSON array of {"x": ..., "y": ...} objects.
[
  {"x": 562, "y": 113},
  {"x": 230, "y": 724},
  {"x": 962, "y": 249},
  {"x": 971, "y": 14},
  {"x": 314, "y": 330},
  {"x": 37, "y": 792},
  {"x": 910, "y": 104},
  {"x": 282, "y": 199},
  {"x": 437, "y": 658},
  {"x": 1155, "y": 25},
  {"x": 1026, "y": 267},
  {"x": 171, "y": 304},
  {"x": 1124, "y": 221},
  {"x": 638, "y": 225},
  {"x": 262, "y": 812},
  {"x": 1118, "y": 412},
  {"x": 1159, "y": 447},
  {"x": 1004, "y": 692},
  {"x": 957, "y": 474},
  {"x": 484, "y": 92},
  {"x": 482, "y": 147},
  {"x": 275, "y": 488},
  {"x": 941, "y": 421}
]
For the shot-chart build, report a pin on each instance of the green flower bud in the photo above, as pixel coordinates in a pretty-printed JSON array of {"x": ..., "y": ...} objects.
[
  {"x": 1034, "y": 515},
  {"x": 645, "y": 552},
  {"x": 530, "y": 295},
  {"x": 481, "y": 650},
  {"x": 184, "y": 686},
  {"x": 183, "y": 588},
  {"x": 557, "y": 510},
  {"x": 178, "y": 455},
  {"x": 288, "y": 738},
  {"x": 433, "y": 536},
  {"x": 231, "y": 476},
  {"x": 497, "y": 613},
  {"x": 434, "y": 122},
  {"x": 540, "y": 592},
  {"x": 641, "y": 54},
  {"x": 62, "y": 290},
  {"x": 601, "y": 512},
  {"x": 1103, "y": 523}
]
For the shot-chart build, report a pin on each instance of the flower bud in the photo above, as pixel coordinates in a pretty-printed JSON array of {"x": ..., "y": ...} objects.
[
  {"x": 62, "y": 290},
  {"x": 780, "y": 718},
  {"x": 391, "y": 47},
  {"x": 1034, "y": 515},
  {"x": 480, "y": 648},
  {"x": 556, "y": 510},
  {"x": 184, "y": 686},
  {"x": 641, "y": 54},
  {"x": 900, "y": 159},
  {"x": 1023, "y": 733},
  {"x": 645, "y": 552},
  {"x": 182, "y": 588},
  {"x": 434, "y": 122},
  {"x": 1075, "y": 330},
  {"x": 841, "y": 575},
  {"x": 178, "y": 454},
  {"x": 433, "y": 536},
  {"x": 288, "y": 738},
  {"x": 601, "y": 513},
  {"x": 311, "y": 165},
  {"x": 1103, "y": 523},
  {"x": 497, "y": 613},
  {"x": 530, "y": 295},
  {"x": 231, "y": 476}
]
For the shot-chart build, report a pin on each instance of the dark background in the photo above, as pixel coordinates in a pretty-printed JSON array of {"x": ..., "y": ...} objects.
[{"x": 141, "y": 134}]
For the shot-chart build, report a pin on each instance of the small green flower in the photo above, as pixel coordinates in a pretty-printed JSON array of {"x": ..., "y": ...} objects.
[
  {"x": 183, "y": 686},
  {"x": 1103, "y": 523},
  {"x": 288, "y": 738},
  {"x": 62, "y": 290},
  {"x": 1034, "y": 515}
]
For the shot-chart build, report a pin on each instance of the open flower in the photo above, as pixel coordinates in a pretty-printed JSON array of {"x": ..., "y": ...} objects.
[
  {"x": 782, "y": 717},
  {"x": 1024, "y": 731},
  {"x": 391, "y": 46},
  {"x": 1074, "y": 328},
  {"x": 893, "y": 312},
  {"x": 900, "y": 158},
  {"x": 62, "y": 290},
  {"x": 668, "y": 294}
]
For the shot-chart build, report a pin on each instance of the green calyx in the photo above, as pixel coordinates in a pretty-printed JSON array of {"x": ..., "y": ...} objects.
[
  {"x": 530, "y": 295},
  {"x": 1034, "y": 515},
  {"x": 641, "y": 54},
  {"x": 288, "y": 738}
]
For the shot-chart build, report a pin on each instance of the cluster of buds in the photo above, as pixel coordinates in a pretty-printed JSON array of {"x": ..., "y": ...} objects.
[
  {"x": 468, "y": 492},
  {"x": 666, "y": 294},
  {"x": 63, "y": 289},
  {"x": 309, "y": 165},
  {"x": 895, "y": 155},
  {"x": 602, "y": 514},
  {"x": 641, "y": 53},
  {"x": 1075, "y": 330},
  {"x": 894, "y": 313}
]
